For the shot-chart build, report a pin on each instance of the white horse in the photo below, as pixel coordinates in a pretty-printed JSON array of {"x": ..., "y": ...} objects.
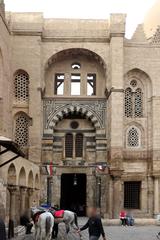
[
  {"x": 69, "y": 219},
  {"x": 44, "y": 226}
]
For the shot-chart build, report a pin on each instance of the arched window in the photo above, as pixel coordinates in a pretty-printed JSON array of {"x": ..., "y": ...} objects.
[
  {"x": 21, "y": 87},
  {"x": 21, "y": 130},
  {"x": 133, "y": 137},
  {"x": 134, "y": 100},
  {"x": 128, "y": 102},
  {"x": 79, "y": 145},
  {"x": 138, "y": 103},
  {"x": 69, "y": 145}
]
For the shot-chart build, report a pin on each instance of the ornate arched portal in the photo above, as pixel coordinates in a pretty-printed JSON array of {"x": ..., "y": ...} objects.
[{"x": 74, "y": 125}]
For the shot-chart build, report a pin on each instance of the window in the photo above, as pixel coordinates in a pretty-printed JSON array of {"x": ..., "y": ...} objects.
[
  {"x": 133, "y": 100},
  {"x": 76, "y": 66},
  {"x": 91, "y": 84},
  {"x": 133, "y": 137},
  {"x": 21, "y": 87},
  {"x": 79, "y": 145},
  {"x": 69, "y": 145},
  {"x": 132, "y": 195},
  {"x": 75, "y": 84},
  {"x": 128, "y": 102},
  {"x": 138, "y": 103},
  {"x": 21, "y": 130},
  {"x": 59, "y": 84}
]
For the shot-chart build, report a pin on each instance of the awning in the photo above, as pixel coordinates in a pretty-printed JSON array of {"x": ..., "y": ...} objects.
[{"x": 10, "y": 145}]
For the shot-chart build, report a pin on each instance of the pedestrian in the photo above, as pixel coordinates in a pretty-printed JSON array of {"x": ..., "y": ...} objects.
[
  {"x": 2, "y": 230},
  {"x": 123, "y": 218},
  {"x": 129, "y": 219},
  {"x": 94, "y": 225},
  {"x": 25, "y": 221}
]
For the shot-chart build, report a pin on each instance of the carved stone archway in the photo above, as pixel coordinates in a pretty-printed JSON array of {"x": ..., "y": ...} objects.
[{"x": 55, "y": 111}]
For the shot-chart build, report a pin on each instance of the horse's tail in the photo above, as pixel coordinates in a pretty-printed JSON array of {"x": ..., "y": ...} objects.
[
  {"x": 76, "y": 219},
  {"x": 48, "y": 224}
]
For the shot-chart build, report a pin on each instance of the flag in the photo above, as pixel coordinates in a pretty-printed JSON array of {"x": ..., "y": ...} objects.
[{"x": 51, "y": 169}]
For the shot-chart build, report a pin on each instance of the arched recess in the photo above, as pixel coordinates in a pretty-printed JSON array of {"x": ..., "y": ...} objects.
[
  {"x": 22, "y": 177},
  {"x": 138, "y": 88},
  {"x": 21, "y": 86},
  {"x": 60, "y": 76},
  {"x": 37, "y": 182},
  {"x": 141, "y": 76},
  {"x": 30, "y": 180},
  {"x": 75, "y": 52},
  {"x": 140, "y": 131},
  {"x": 21, "y": 130},
  {"x": 12, "y": 180}
]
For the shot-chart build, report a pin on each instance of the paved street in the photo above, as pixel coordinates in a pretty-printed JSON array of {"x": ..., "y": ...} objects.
[{"x": 112, "y": 233}]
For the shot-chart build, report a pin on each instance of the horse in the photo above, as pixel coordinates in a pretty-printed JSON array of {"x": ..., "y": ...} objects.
[
  {"x": 44, "y": 222},
  {"x": 69, "y": 218}
]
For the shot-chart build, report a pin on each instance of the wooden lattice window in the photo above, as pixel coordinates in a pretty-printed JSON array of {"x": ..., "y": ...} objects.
[
  {"x": 133, "y": 100},
  {"x": 132, "y": 195},
  {"x": 21, "y": 130},
  {"x": 69, "y": 145},
  {"x": 133, "y": 137},
  {"x": 21, "y": 87},
  {"x": 79, "y": 145}
]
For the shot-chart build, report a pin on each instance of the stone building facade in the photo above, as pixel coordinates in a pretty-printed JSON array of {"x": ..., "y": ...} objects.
[{"x": 83, "y": 103}]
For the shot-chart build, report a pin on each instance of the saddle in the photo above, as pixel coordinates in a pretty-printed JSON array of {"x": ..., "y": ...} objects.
[
  {"x": 36, "y": 216},
  {"x": 59, "y": 214}
]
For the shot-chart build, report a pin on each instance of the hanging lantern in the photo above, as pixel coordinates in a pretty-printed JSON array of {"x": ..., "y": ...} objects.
[{"x": 75, "y": 180}]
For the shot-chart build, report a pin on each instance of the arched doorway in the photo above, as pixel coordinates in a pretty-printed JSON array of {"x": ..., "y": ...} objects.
[{"x": 73, "y": 193}]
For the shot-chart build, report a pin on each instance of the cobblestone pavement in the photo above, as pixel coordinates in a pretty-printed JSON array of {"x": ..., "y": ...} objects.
[{"x": 112, "y": 233}]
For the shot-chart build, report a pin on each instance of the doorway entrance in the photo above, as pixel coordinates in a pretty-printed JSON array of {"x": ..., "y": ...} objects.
[{"x": 73, "y": 193}]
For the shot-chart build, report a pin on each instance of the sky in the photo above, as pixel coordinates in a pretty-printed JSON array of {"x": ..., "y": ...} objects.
[{"x": 92, "y": 9}]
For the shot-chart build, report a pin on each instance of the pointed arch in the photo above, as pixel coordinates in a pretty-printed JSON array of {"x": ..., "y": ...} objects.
[
  {"x": 30, "y": 180},
  {"x": 12, "y": 175},
  {"x": 37, "y": 181},
  {"x": 22, "y": 177},
  {"x": 75, "y": 52}
]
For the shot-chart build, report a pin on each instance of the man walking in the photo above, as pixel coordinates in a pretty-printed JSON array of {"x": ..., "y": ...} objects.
[{"x": 94, "y": 225}]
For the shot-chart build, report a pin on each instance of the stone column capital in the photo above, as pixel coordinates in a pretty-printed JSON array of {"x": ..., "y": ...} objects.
[
  {"x": 30, "y": 191},
  {"x": 13, "y": 189},
  {"x": 23, "y": 189}
]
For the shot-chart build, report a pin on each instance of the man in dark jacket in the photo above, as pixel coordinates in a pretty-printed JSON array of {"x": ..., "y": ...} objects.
[
  {"x": 94, "y": 225},
  {"x": 2, "y": 230},
  {"x": 25, "y": 221}
]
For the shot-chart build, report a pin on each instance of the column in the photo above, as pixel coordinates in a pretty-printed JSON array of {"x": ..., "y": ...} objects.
[
  {"x": 156, "y": 196},
  {"x": 23, "y": 191},
  {"x": 117, "y": 196},
  {"x": 30, "y": 197},
  {"x": 110, "y": 207},
  {"x": 13, "y": 191}
]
